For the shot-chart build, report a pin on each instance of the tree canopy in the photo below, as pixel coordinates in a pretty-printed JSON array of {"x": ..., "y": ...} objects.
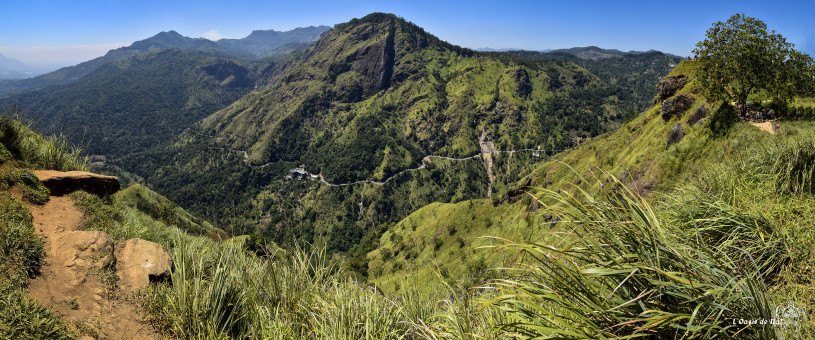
[{"x": 741, "y": 57}]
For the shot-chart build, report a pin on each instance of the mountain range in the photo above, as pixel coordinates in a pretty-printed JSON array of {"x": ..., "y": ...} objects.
[
  {"x": 13, "y": 68},
  {"x": 379, "y": 182},
  {"x": 258, "y": 44},
  {"x": 386, "y": 116}
]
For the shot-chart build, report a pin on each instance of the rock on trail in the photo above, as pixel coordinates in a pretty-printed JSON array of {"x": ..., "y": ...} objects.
[
  {"x": 140, "y": 262},
  {"x": 65, "y": 182},
  {"x": 76, "y": 275}
]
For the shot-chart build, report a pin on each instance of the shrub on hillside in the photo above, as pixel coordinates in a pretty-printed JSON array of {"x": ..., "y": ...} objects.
[{"x": 33, "y": 190}]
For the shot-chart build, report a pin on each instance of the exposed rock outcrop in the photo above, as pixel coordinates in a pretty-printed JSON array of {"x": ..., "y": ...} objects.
[
  {"x": 676, "y": 135},
  {"x": 62, "y": 182},
  {"x": 140, "y": 262},
  {"x": 697, "y": 116},
  {"x": 676, "y": 106},
  {"x": 524, "y": 88},
  {"x": 373, "y": 63},
  {"x": 667, "y": 87}
]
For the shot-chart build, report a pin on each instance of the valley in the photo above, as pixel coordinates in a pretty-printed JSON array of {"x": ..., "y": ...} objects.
[{"x": 371, "y": 180}]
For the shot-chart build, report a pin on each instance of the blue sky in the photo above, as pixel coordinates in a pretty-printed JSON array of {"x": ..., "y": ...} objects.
[{"x": 61, "y": 32}]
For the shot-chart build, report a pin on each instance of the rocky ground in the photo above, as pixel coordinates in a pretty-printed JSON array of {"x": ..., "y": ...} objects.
[{"x": 87, "y": 276}]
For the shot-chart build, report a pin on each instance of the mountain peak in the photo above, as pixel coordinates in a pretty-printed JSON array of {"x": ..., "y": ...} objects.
[
  {"x": 171, "y": 39},
  {"x": 170, "y": 33}
]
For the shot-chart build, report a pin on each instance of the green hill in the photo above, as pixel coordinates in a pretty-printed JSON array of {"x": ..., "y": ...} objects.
[
  {"x": 721, "y": 159},
  {"x": 365, "y": 105},
  {"x": 638, "y": 72},
  {"x": 162, "y": 209}
]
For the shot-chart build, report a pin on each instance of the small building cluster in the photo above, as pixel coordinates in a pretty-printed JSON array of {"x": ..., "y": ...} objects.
[{"x": 301, "y": 173}]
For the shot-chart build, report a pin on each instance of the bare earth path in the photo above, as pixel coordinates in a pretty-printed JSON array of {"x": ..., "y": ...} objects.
[
  {"x": 69, "y": 281},
  {"x": 768, "y": 126}
]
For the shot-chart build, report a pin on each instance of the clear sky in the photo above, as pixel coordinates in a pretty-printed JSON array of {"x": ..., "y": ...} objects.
[{"x": 62, "y": 32}]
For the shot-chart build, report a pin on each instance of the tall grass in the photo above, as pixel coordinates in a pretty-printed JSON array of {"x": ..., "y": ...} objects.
[
  {"x": 794, "y": 166},
  {"x": 218, "y": 290},
  {"x": 622, "y": 273},
  {"x": 53, "y": 152},
  {"x": 749, "y": 239}
]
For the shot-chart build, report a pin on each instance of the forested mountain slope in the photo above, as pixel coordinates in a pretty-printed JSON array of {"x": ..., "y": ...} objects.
[
  {"x": 137, "y": 103},
  {"x": 367, "y": 109},
  {"x": 259, "y": 44},
  {"x": 638, "y": 72}
]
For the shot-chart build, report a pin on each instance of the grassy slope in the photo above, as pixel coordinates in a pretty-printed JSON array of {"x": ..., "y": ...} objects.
[
  {"x": 639, "y": 149},
  {"x": 160, "y": 208},
  {"x": 21, "y": 249}
]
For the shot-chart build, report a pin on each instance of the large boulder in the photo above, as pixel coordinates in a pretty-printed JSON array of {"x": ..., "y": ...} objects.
[
  {"x": 140, "y": 262},
  {"x": 676, "y": 135},
  {"x": 667, "y": 87},
  {"x": 65, "y": 182},
  {"x": 676, "y": 106},
  {"x": 697, "y": 116}
]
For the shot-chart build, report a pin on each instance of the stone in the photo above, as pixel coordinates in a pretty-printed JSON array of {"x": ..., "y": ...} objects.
[
  {"x": 65, "y": 182},
  {"x": 676, "y": 135},
  {"x": 667, "y": 87},
  {"x": 676, "y": 106},
  {"x": 697, "y": 116},
  {"x": 140, "y": 262},
  {"x": 79, "y": 251}
]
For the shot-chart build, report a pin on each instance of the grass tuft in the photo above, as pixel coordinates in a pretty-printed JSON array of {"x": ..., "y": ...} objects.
[
  {"x": 35, "y": 151},
  {"x": 622, "y": 272},
  {"x": 794, "y": 168}
]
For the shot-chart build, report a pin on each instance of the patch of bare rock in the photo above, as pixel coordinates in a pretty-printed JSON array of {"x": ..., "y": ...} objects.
[{"x": 64, "y": 182}]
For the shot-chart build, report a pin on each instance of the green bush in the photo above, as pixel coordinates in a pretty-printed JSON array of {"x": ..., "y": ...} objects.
[
  {"x": 21, "y": 250},
  {"x": 22, "y": 318},
  {"x": 33, "y": 190}
]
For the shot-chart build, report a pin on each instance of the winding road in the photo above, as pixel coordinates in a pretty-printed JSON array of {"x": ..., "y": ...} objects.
[{"x": 487, "y": 150}]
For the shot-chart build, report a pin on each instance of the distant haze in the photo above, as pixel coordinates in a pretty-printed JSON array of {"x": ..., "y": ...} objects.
[{"x": 43, "y": 59}]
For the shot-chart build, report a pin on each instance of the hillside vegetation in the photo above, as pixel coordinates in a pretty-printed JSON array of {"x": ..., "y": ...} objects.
[
  {"x": 137, "y": 103},
  {"x": 21, "y": 250},
  {"x": 636, "y": 72},
  {"x": 687, "y": 220},
  {"x": 724, "y": 181},
  {"x": 365, "y": 105}
]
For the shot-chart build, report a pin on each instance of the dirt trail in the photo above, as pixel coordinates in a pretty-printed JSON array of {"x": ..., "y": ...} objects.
[
  {"x": 70, "y": 281},
  {"x": 769, "y": 126}
]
